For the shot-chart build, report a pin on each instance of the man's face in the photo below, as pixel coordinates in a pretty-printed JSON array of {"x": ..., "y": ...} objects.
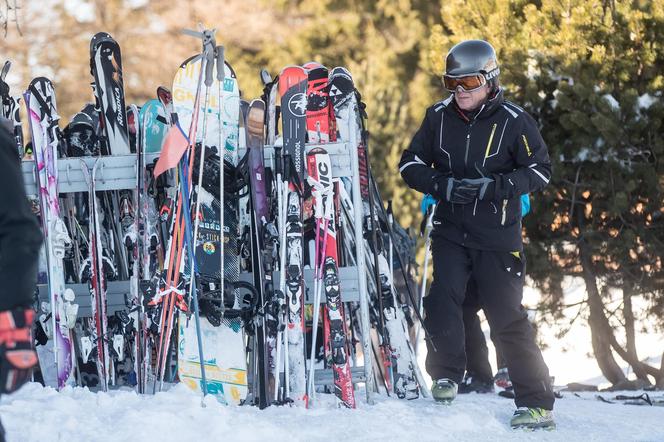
[{"x": 469, "y": 101}]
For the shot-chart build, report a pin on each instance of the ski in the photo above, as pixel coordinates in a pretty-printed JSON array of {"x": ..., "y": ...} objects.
[
  {"x": 318, "y": 109},
  {"x": 319, "y": 171},
  {"x": 10, "y": 108},
  {"x": 293, "y": 89},
  {"x": 264, "y": 239},
  {"x": 106, "y": 67},
  {"x": 397, "y": 356},
  {"x": 96, "y": 343},
  {"x": 46, "y": 141}
]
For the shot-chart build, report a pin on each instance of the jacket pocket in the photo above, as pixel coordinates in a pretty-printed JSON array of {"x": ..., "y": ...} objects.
[
  {"x": 513, "y": 263},
  {"x": 495, "y": 214},
  {"x": 509, "y": 211}
]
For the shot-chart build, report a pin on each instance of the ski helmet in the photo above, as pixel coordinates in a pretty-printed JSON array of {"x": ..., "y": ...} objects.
[{"x": 471, "y": 64}]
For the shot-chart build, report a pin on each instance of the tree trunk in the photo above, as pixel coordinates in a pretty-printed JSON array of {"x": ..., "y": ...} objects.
[
  {"x": 630, "y": 335},
  {"x": 597, "y": 320}
]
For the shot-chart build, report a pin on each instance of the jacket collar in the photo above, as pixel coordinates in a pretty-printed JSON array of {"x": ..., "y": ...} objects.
[{"x": 486, "y": 110}]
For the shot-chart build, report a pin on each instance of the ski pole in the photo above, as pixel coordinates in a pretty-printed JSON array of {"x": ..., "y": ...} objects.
[
  {"x": 194, "y": 270},
  {"x": 277, "y": 343},
  {"x": 423, "y": 287},
  {"x": 287, "y": 172},
  {"x": 318, "y": 286},
  {"x": 281, "y": 191},
  {"x": 219, "y": 56}
]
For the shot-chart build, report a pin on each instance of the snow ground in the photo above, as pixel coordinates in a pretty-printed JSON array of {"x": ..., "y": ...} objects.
[{"x": 41, "y": 414}]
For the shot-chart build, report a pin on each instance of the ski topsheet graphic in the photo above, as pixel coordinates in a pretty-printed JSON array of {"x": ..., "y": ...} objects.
[
  {"x": 293, "y": 88},
  {"x": 106, "y": 66},
  {"x": 43, "y": 118},
  {"x": 326, "y": 272}
]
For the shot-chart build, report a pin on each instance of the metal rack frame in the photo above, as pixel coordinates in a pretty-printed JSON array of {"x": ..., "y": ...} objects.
[{"x": 118, "y": 172}]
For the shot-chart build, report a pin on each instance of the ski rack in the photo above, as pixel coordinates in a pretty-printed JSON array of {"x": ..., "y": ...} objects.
[{"x": 118, "y": 172}]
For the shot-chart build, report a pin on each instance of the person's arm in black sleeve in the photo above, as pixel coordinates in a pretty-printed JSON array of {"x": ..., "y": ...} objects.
[
  {"x": 533, "y": 170},
  {"x": 415, "y": 165},
  {"x": 20, "y": 236}
]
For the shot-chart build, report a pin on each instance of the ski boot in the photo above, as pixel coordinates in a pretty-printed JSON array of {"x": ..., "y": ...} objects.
[
  {"x": 532, "y": 418},
  {"x": 444, "y": 390},
  {"x": 472, "y": 383},
  {"x": 502, "y": 379}
]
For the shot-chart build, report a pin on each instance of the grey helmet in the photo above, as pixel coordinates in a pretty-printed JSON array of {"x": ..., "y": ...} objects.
[{"x": 471, "y": 57}]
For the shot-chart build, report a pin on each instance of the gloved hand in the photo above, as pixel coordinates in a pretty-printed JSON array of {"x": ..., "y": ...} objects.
[
  {"x": 454, "y": 191},
  {"x": 17, "y": 353},
  {"x": 485, "y": 187}
]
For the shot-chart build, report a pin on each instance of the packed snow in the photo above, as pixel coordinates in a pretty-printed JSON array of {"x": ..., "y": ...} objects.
[{"x": 36, "y": 413}]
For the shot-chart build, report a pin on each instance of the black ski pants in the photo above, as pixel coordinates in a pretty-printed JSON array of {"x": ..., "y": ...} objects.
[
  {"x": 499, "y": 277},
  {"x": 477, "y": 352}
]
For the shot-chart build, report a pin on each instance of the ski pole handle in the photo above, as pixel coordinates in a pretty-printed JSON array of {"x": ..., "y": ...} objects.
[
  {"x": 209, "y": 69},
  {"x": 219, "y": 54}
]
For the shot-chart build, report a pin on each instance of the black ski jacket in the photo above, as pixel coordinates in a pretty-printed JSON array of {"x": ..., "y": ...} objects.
[
  {"x": 20, "y": 236},
  {"x": 502, "y": 142}
]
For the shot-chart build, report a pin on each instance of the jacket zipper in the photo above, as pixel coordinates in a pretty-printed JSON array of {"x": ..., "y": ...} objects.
[
  {"x": 465, "y": 165},
  {"x": 502, "y": 220},
  {"x": 465, "y": 159}
]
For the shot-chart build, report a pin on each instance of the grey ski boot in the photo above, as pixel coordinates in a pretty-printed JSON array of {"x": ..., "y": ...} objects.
[
  {"x": 533, "y": 418},
  {"x": 444, "y": 390}
]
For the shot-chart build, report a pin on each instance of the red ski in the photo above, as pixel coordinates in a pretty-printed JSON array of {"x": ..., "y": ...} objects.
[{"x": 319, "y": 171}]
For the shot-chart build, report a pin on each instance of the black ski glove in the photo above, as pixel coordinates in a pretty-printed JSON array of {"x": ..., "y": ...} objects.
[
  {"x": 17, "y": 352},
  {"x": 485, "y": 188},
  {"x": 454, "y": 191}
]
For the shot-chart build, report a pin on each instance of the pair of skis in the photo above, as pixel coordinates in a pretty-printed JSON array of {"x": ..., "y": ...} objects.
[
  {"x": 307, "y": 115},
  {"x": 46, "y": 140},
  {"x": 398, "y": 360}
]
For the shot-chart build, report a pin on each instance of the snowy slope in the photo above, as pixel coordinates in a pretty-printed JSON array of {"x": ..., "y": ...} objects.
[{"x": 41, "y": 414}]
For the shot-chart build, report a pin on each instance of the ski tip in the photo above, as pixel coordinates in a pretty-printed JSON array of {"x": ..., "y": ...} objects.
[
  {"x": 311, "y": 65},
  {"x": 291, "y": 76},
  {"x": 257, "y": 103},
  {"x": 98, "y": 38},
  {"x": 266, "y": 78},
  {"x": 341, "y": 71}
]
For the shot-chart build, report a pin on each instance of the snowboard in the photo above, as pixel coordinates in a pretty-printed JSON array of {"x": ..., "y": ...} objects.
[{"x": 223, "y": 345}]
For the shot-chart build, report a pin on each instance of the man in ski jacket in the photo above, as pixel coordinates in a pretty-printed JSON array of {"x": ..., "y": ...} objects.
[
  {"x": 478, "y": 153},
  {"x": 20, "y": 239}
]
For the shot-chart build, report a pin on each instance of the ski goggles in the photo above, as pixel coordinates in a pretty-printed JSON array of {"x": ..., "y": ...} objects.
[{"x": 468, "y": 82}]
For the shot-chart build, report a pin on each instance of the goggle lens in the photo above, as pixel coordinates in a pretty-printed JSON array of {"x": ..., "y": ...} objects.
[{"x": 468, "y": 83}]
